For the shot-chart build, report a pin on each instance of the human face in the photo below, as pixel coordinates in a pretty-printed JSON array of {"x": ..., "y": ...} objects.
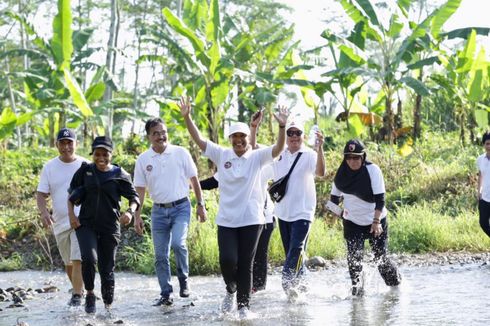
[
  {"x": 102, "y": 159},
  {"x": 158, "y": 137},
  {"x": 66, "y": 148},
  {"x": 239, "y": 142},
  {"x": 487, "y": 146},
  {"x": 354, "y": 161},
  {"x": 294, "y": 139}
]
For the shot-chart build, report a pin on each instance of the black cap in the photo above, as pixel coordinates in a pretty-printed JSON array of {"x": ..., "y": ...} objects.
[
  {"x": 102, "y": 142},
  {"x": 354, "y": 147},
  {"x": 66, "y": 133}
]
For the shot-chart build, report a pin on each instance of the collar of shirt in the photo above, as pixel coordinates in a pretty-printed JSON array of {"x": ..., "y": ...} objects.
[
  {"x": 245, "y": 155},
  {"x": 301, "y": 149},
  {"x": 168, "y": 150}
]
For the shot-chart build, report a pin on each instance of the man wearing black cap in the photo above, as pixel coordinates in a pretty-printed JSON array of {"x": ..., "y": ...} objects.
[{"x": 55, "y": 181}]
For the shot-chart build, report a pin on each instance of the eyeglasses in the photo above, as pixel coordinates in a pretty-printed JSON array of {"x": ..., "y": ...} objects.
[
  {"x": 292, "y": 133},
  {"x": 353, "y": 157}
]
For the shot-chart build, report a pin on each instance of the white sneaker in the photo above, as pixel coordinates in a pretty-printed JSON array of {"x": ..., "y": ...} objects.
[
  {"x": 228, "y": 302},
  {"x": 245, "y": 313},
  {"x": 292, "y": 294}
]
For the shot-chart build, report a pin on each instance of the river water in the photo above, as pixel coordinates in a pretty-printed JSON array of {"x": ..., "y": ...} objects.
[{"x": 434, "y": 295}]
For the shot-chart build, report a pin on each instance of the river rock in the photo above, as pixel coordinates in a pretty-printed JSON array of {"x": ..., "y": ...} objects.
[
  {"x": 316, "y": 261},
  {"x": 50, "y": 289},
  {"x": 3, "y": 298}
]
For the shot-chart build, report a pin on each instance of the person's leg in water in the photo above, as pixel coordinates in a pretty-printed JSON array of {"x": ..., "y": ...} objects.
[
  {"x": 87, "y": 239},
  {"x": 354, "y": 238},
  {"x": 161, "y": 227},
  {"x": 106, "y": 250},
  {"x": 261, "y": 259},
  {"x": 294, "y": 265},
  {"x": 248, "y": 238},
  {"x": 484, "y": 211},
  {"x": 180, "y": 215},
  {"x": 388, "y": 270},
  {"x": 228, "y": 261}
]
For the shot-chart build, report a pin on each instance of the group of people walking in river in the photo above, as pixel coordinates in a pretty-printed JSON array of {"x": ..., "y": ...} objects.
[{"x": 86, "y": 216}]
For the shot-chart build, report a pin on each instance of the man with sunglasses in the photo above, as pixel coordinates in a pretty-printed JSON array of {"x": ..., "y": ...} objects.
[
  {"x": 362, "y": 187},
  {"x": 297, "y": 209}
]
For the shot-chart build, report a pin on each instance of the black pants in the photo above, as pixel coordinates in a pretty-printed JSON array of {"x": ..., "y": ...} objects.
[
  {"x": 355, "y": 235},
  {"x": 237, "y": 247},
  {"x": 484, "y": 209},
  {"x": 261, "y": 255},
  {"x": 98, "y": 248}
]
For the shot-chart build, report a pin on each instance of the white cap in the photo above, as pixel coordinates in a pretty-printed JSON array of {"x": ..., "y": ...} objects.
[
  {"x": 295, "y": 124},
  {"x": 238, "y": 127}
]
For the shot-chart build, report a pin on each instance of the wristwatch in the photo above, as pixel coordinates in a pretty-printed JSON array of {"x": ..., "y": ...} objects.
[
  {"x": 130, "y": 211},
  {"x": 200, "y": 203}
]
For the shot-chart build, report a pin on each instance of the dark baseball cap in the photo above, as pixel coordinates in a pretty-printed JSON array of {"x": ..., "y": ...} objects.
[
  {"x": 354, "y": 147},
  {"x": 66, "y": 133},
  {"x": 102, "y": 142}
]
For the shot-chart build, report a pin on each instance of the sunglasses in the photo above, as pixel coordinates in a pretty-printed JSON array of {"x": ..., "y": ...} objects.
[
  {"x": 353, "y": 157},
  {"x": 292, "y": 133}
]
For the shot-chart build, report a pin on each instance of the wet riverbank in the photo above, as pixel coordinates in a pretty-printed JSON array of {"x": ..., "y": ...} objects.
[{"x": 437, "y": 289}]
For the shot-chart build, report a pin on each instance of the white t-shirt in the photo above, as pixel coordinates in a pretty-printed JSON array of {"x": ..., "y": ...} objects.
[
  {"x": 241, "y": 192},
  {"x": 299, "y": 203},
  {"x": 55, "y": 180},
  {"x": 166, "y": 175},
  {"x": 357, "y": 210},
  {"x": 483, "y": 165}
]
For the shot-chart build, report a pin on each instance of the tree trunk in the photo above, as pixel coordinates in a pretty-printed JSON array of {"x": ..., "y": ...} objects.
[
  {"x": 399, "y": 114},
  {"x": 13, "y": 105},
  {"x": 417, "y": 115},
  {"x": 241, "y": 106},
  {"x": 110, "y": 62},
  {"x": 388, "y": 120}
]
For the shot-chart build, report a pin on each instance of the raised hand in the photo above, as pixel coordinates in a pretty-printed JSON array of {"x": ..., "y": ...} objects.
[
  {"x": 282, "y": 115},
  {"x": 185, "y": 106},
  {"x": 257, "y": 118}
]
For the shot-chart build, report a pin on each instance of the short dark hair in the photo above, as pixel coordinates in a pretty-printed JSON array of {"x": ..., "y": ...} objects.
[
  {"x": 152, "y": 123},
  {"x": 485, "y": 137}
]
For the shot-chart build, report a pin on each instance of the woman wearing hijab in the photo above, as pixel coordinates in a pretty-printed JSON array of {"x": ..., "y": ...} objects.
[{"x": 361, "y": 185}]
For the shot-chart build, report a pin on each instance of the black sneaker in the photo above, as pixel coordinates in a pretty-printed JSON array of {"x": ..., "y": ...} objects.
[
  {"x": 164, "y": 301},
  {"x": 90, "y": 303},
  {"x": 75, "y": 301},
  {"x": 184, "y": 290}
]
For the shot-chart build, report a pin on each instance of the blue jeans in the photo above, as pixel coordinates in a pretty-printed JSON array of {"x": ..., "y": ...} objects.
[
  {"x": 294, "y": 236},
  {"x": 169, "y": 228}
]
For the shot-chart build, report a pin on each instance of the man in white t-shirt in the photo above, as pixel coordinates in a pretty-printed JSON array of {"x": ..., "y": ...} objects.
[
  {"x": 54, "y": 182},
  {"x": 483, "y": 165},
  {"x": 166, "y": 170},
  {"x": 296, "y": 210}
]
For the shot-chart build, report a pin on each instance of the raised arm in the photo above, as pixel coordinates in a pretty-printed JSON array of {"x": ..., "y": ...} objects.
[
  {"x": 281, "y": 118},
  {"x": 320, "y": 160},
  {"x": 254, "y": 124},
  {"x": 185, "y": 110}
]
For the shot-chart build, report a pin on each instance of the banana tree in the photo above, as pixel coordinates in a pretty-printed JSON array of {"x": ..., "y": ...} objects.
[
  {"x": 49, "y": 85},
  {"x": 395, "y": 54},
  {"x": 466, "y": 81}
]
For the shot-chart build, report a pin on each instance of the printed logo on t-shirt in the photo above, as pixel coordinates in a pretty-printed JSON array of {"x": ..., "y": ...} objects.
[
  {"x": 227, "y": 165},
  {"x": 89, "y": 173},
  {"x": 149, "y": 167}
]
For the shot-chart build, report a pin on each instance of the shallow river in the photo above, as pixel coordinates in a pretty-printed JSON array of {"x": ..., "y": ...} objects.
[{"x": 436, "y": 295}]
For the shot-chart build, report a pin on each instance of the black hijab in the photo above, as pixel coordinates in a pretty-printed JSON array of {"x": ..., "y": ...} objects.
[{"x": 358, "y": 182}]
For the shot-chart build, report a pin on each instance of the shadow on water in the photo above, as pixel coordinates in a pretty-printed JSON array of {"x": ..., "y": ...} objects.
[{"x": 436, "y": 295}]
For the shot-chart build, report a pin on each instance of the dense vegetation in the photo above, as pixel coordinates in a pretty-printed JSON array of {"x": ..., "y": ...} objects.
[
  {"x": 431, "y": 195},
  {"x": 393, "y": 76}
]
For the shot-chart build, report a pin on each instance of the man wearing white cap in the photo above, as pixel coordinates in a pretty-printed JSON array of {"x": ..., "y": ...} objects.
[
  {"x": 240, "y": 215},
  {"x": 296, "y": 210},
  {"x": 55, "y": 181}
]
